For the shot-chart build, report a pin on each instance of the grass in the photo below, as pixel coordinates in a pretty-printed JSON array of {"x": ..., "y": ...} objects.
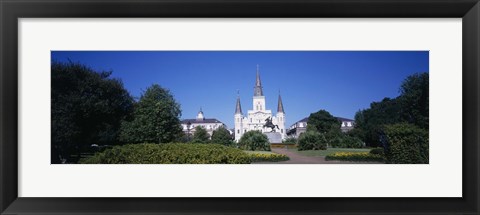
[{"x": 317, "y": 153}]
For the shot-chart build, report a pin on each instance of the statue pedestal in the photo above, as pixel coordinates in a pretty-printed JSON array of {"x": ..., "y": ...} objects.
[{"x": 274, "y": 137}]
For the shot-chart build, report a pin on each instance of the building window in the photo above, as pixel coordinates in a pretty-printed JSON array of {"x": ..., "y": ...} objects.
[
  {"x": 238, "y": 131},
  {"x": 281, "y": 130}
]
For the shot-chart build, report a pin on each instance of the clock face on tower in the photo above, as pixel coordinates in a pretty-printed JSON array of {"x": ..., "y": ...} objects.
[{"x": 259, "y": 115}]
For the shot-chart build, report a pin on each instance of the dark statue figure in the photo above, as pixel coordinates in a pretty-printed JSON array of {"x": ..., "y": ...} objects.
[{"x": 269, "y": 124}]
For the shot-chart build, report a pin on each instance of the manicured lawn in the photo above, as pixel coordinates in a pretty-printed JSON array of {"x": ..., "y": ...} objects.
[{"x": 316, "y": 153}]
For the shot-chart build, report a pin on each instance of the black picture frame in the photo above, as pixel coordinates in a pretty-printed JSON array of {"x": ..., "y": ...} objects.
[{"x": 12, "y": 10}]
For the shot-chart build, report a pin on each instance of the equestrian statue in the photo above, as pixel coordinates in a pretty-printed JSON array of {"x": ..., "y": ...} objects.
[{"x": 269, "y": 124}]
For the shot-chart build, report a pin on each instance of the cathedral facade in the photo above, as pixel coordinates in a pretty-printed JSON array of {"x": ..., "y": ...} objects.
[{"x": 256, "y": 118}]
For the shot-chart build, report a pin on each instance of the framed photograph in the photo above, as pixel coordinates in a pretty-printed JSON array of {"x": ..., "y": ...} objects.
[{"x": 227, "y": 107}]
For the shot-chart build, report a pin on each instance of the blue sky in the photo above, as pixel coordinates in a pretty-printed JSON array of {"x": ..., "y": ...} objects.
[{"x": 341, "y": 82}]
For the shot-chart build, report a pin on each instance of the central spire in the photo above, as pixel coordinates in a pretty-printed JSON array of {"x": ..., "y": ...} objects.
[
  {"x": 280, "y": 104},
  {"x": 258, "y": 91},
  {"x": 238, "y": 108}
]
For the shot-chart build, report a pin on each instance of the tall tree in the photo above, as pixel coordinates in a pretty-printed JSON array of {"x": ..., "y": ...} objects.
[
  {"x": 369, "y": 123},
  {"x": 323, "y": 122},
  {"x": 414, "y": 99},
  {"x": 410, "y": 107},
  {"x": 200, "y": 135},
  {"x": 222, "y": 136},
  {"x": 155, "y": 119},
  {"x": 87, "y": 108}
]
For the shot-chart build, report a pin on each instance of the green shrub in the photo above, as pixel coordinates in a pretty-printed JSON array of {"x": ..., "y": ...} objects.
[
  {"x": 254, "y": 141},
  {"x": 355, "y": 156},
  {"x": 172, "y": 153},
  {"x": 256, "y": 156},
  {"x": 290, "y": 140},
  {"x": 335, "y": 141},
  {"x": 345, "y": 141},
  {"x": 312, "y": 140},
  {"x": 377, "y": 151},
  {"x": 406, "y": 143},
  {"x": 351, "y": 142}
]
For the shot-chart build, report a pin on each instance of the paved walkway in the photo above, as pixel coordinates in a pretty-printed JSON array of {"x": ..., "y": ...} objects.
[{"x": 296, "y": 158}]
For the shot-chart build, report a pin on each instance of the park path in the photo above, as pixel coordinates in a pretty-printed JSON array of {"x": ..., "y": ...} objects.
[{"x": 296, "y": 158}]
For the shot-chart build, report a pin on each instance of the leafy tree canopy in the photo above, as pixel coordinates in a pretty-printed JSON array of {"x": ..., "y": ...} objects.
[
  {"x": 323, "y": 122},
  {"x": 222, "y": 136},
  {"x": 200, "y": 135},
  {"x": 414, "y": 100},
  {"x": 156, "y": 118},
  {"x": 410, "y": 107},
  {"x": 87, "y": 108}
]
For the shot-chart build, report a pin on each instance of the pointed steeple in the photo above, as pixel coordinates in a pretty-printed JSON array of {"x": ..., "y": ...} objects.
[
  {"x": 258, "y": 91},
  {"x": 238, "y": 108},
  {"x": 280, "y": 104}
]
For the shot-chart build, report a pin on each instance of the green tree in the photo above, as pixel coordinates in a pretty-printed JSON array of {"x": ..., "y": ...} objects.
[
  {"x": 323, "y": 122},
  {"x": 414, "y": 100},
  {"x": 87, "y": 108},
  {"x": 200, "y": 135},
  {"x": 254, "y": 141},
  {"x": 326, "y": 124},
  {"x": 372, "y": 121},
  {"x": 410, "y": 107},
  {"x": 222, "y": 136},
  {"x": 156, "y": 118}
]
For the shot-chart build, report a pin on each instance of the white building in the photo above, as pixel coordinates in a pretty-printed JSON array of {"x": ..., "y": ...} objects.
[
  {"x": 188, "y": 125},
  {"x": 255, "y": 118},
  {"x": 301, "y": 126}
]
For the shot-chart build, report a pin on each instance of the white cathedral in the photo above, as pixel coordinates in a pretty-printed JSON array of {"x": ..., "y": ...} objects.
[{"x": 255, "y": 118}]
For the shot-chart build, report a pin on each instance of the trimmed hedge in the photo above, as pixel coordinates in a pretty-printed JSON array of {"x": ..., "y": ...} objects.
[
  {"x": 377, "y": 151},
  {"x": 171, "y": 153},
  {"x": 254, "y": 141},
  {"x": 355, "y": 156},
  {"x": 406, "y": 144},
  {"x": 312, "y": 140},
  {"x": 272, "y": 157}
]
